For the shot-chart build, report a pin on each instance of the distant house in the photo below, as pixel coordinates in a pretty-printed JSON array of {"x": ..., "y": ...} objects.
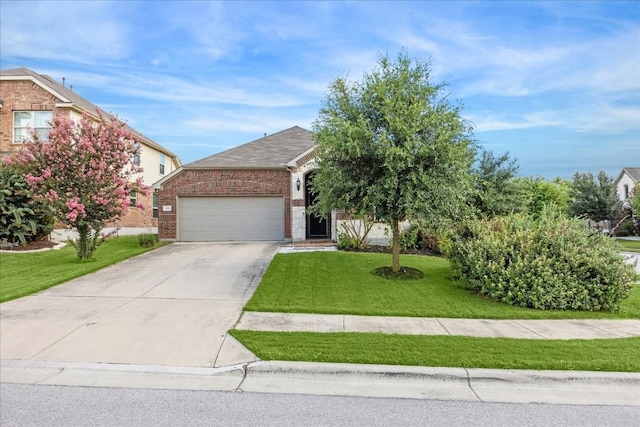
[
  {"x": 29, "y": 101},
  {"x": 627, "y": 180}
]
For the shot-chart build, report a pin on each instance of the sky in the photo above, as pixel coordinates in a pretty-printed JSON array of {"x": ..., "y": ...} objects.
[{"x": 555, "y": 84}]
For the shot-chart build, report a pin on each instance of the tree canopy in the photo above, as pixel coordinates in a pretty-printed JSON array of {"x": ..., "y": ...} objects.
[
  {"x": 597, "y": 201},
  {"x": 392, "y": 145}
]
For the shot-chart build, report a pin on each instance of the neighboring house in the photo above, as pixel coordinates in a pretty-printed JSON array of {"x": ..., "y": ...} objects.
[
  {"x": 29, "y": 101},
  {"x": 626, "y": 182},
  {"x": 257, "y": 191}
]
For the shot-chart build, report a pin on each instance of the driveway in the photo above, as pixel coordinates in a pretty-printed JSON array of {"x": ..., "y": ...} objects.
[{"x": 171, "y": 307}]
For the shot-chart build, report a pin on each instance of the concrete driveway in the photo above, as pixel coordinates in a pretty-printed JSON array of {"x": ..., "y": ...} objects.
[{"x": 172, "y": 307}]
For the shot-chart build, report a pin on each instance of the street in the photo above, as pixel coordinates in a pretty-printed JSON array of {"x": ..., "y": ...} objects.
[{"x": 36, "y": 405}]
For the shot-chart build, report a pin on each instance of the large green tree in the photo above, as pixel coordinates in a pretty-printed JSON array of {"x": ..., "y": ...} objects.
[
  {"x": 597, "y": 201},
  {"x": 497, "y": 191},
  {"x": 392, "y": 144}
]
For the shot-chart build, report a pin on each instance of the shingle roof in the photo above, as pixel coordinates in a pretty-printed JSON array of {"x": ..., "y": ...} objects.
[
  {"x": 271, "y": 152},
  {"x": 633, "y": 173},
  {"x": 66, "y": 95}
]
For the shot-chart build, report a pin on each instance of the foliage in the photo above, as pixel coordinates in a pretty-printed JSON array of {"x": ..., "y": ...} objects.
[
  {"x": 550, "y": 262},
  {"x": 85, "y": 173},
  {"x": 496, "y": 190},
  {"x": 147, "y": 240},
  {"x": 422, "y": 236},
  {"x": 394, "y": 145},
  {"x": 22, "y": 218},
  {"x": 354, "y": 232},
  {"x": 597, "y": 201},
  {"x": 540, "y": 194}
]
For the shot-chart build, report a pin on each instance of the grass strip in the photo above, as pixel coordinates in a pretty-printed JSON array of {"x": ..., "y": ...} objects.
[
  {"x": 23, "y": 274},
  {"x": 343, "y": 283},
  {"x": 617, "y": 355},
  {"x": 629, "y": 245}
]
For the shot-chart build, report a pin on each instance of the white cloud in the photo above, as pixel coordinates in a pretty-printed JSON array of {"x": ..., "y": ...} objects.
[{"x": 82, "y": 32}]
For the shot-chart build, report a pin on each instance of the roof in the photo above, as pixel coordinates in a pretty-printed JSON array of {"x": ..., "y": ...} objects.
[
  {"x": 634, "y": 173},
  {"x": 67, "y": 96},
  {"x": 271, "y": 152}
]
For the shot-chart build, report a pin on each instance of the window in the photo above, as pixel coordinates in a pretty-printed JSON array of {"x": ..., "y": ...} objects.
[
  {"x": 23, "y": 121},
  {"x": 155, "y": 205},
  {"x": 133, "y": 198},
  {"x": 626, "y": 192},
  {"x": 161, "y": 164}
]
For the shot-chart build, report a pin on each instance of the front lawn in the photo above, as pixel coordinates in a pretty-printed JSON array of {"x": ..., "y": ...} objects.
[
  {"x": 26, "y": 273},
  {"x": 618, "y": 355},
  {"x": 342, "y": 283}
]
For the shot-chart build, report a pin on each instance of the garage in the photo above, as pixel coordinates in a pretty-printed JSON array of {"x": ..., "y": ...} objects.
[{"x": 202, "y": 219}]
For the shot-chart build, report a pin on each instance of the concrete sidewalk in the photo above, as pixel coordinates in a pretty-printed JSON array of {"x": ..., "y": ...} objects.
[{"x": 531, "y": 329}]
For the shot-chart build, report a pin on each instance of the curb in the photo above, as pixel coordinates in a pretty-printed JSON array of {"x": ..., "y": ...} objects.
[{"x": 412, "y": 382}]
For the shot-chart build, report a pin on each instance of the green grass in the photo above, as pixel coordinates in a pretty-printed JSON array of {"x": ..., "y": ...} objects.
[
  {"x": 619, "y": 355},
  {"x": 342, "y": 283},
  {"x": 23, "y": 274},
  {"x": 629, "y": 245}
]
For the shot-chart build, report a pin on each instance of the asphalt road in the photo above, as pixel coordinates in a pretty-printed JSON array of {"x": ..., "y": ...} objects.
[{"x": 34, "y": 405}]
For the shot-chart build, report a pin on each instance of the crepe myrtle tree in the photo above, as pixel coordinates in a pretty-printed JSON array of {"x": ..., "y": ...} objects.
[
  {"x": 392, "y": 144},
  {"x": 85, "y": 173}
]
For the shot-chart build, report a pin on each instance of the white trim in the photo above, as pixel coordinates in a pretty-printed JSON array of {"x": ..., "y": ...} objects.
[
  {"x": 158, "y": 184},
  {"x": 292, "y": 163},
  {"x": 39, "y": 83}
]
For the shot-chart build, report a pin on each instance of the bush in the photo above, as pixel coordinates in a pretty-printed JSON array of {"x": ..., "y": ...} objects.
[
  {"x": 420, "y": 237},
  {"x": 551, "y": 263},
  {"x": 147, "y": 240},
  {"x": 22, "y": 218}
]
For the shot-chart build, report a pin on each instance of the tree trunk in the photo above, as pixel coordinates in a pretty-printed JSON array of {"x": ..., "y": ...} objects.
[{"x": 395, "y": 247}]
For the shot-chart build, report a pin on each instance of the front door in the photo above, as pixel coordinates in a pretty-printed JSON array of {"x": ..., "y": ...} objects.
[{"x": 317, "y": 227}]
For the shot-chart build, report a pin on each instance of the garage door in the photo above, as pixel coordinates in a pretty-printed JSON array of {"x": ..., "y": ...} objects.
[{"x": 211, "y": 219}]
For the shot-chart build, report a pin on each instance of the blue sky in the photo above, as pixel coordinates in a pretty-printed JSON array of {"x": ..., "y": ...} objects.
[{"x": 557, "y": 84}]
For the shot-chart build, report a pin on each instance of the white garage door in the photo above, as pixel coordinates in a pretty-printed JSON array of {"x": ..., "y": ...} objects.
[{"x": 211, "y": 219}]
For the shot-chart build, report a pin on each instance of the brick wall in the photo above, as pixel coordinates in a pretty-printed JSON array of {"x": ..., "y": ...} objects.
[
  {"x": 22, "y": 95},
  {"x": 222, "y": 183}
]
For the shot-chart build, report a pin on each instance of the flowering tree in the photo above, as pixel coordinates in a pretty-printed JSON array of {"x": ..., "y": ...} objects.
[{"x": 85, "y": 173}]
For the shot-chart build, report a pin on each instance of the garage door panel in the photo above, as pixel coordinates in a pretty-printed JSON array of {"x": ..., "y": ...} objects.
[{"x": 230, "y": 218}]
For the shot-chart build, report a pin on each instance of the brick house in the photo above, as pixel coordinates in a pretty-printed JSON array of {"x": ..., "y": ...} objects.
[
  {"x": 29, "y": 101},
  {"x": 257, "y": 191}
]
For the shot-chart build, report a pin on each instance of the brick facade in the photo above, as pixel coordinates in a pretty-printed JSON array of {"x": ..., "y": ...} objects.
[
  {"x": 197, "y": 182},
  {"x": 23, "y": 95}
]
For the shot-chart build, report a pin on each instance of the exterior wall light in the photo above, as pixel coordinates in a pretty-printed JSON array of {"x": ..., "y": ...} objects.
[{"x": 298, "y": 184}]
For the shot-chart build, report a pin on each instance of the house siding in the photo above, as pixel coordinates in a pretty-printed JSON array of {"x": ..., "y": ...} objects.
[{"x": 193, "y": 182}]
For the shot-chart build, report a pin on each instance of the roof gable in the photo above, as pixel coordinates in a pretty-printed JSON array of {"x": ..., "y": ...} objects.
[
  {"x": 634, "y": 173},
  {"x": 271, "y": 152}
]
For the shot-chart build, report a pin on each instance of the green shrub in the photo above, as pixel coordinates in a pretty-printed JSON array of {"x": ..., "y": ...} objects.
[
  {"x": 419, "y": 236},
  {"x": 22, "y": 218},
  {"x": 552, "y": 262},
  {"x": 147, "y": 240}
]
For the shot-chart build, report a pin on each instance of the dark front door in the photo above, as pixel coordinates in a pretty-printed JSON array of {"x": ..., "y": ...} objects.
[{"x": 317, "y": 227}]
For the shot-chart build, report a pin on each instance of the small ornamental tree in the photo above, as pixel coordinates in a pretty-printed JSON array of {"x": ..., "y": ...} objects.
[
  {"x": 85, "y": 173},
  {"x": 392, "y": 145}
]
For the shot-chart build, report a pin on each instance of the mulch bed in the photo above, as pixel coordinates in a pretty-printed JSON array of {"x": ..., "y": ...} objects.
[{"x": 34, "y": 245}]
